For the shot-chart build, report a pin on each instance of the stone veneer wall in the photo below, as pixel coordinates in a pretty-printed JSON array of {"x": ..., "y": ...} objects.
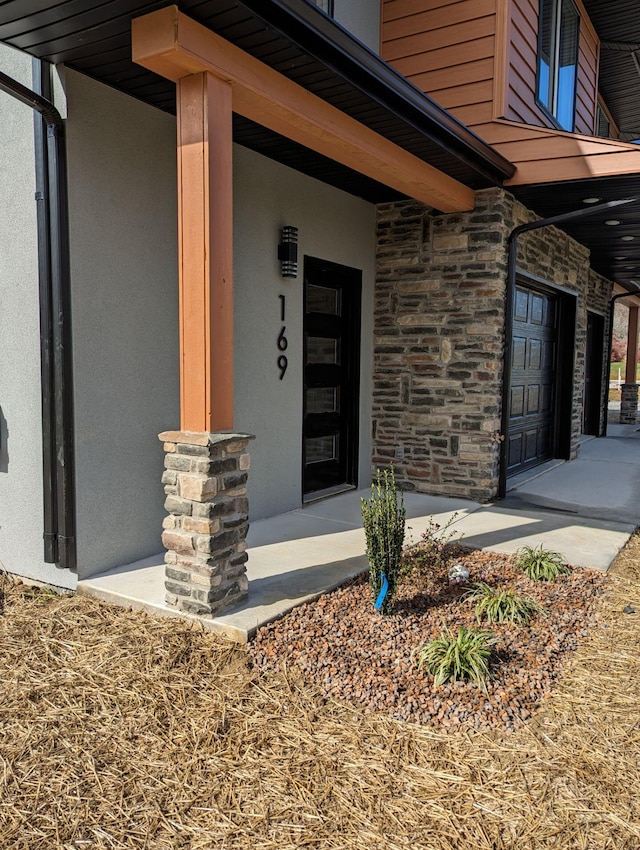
[
  {"x": 439, "y": 337},
  {"x": 205, "y": 481}
]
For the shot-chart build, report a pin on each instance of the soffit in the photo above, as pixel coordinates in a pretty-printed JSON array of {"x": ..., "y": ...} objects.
[
  {"x": 611, "y": 255},
  {"x": 293, "y": 37}
]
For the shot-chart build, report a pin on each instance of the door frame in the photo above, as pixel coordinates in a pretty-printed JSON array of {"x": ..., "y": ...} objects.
[
  {"x": 352, "y": 404},
  {"x": 566, "y": 328},
  {"x": 590, "y": 361}
]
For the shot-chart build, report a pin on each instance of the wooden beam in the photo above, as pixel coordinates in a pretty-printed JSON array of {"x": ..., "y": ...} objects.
[
  {"x": 205, "y": 232},
  {"x": 174, "y": 46},
  {"x": 632, "y": 347}
]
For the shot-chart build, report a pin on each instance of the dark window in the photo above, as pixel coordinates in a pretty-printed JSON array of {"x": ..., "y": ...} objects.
[
  {"x": 603, "y": 127},
  {"x": 325, "y": 5},
  {"x": 558, "y": 36}
]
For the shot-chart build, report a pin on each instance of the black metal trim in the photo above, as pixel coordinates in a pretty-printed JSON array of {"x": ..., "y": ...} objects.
[
  {"x": 512, "y": 270},
  {"x": 63, "y": 374},
  {"x": 328, "y": 42},
  {"x": 55, "y": 313},
  {"x": 42, "y": 85},
  {"x": 595, "y": 319},
  {"x": 25, "y": 95}
]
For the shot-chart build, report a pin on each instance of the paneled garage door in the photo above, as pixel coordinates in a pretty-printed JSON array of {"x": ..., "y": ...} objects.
[{"x": 533, "y": 380}]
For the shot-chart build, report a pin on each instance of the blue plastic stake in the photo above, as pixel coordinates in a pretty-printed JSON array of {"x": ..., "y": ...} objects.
[{"x": 384, "y": 587}]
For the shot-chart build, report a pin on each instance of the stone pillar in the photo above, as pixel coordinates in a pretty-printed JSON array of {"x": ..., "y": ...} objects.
[
  {"x": 205, "y": 481},
  {"x": 629, "y": 404}
]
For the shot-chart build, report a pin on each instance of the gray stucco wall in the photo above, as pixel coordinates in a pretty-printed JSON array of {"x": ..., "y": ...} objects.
[
  {"x": 21, "y": 512},
  {"x": 122, "y": 199},
  {"x": 362, "y": 19},
  {"x": 332, "y": 226}
]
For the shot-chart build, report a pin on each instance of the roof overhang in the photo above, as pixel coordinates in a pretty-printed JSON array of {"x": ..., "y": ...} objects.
[
  {"x": 298, "y": 41},
  {"x": 557, "y": 172},
  {"x": 175, "y": 46}
]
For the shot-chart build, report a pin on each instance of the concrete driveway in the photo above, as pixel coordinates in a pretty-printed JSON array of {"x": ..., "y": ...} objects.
[{"x": 602, "y": 483}]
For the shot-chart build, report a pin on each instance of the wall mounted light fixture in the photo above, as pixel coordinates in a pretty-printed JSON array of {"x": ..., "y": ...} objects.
[{"x": 288, "y": 251}]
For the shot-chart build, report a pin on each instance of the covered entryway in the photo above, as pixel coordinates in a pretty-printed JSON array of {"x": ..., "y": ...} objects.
[
  {"x": 332, "y": 295},
  {"x": 533, "y": 379}
]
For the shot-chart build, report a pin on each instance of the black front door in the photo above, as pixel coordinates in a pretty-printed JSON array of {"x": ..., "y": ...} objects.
[
  {"x": 593, "y": 374},
  {"x": 533, "y": 379},
  {"x": 331, "y": 376}
]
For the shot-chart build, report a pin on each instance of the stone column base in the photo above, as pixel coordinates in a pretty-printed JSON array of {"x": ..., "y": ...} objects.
[
  {"x": 629, "y": 404},
  {"x": 205, "y": 481}
]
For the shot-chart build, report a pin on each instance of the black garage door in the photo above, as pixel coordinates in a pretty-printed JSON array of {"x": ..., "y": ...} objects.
[{"x": 533, "y": 379}]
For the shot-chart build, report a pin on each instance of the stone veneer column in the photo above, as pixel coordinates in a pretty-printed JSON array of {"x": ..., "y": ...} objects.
[
  {"x": 205, "y": 481},
  {"x": 438, "y": 345},
  {"x": 629, "y": 404}
]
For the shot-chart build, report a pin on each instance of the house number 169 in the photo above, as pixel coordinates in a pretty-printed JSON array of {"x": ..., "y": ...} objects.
[{"x": 282, "y": 342}]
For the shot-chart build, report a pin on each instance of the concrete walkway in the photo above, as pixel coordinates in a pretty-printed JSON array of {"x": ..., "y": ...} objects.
[{"x": 586, "y": 509}]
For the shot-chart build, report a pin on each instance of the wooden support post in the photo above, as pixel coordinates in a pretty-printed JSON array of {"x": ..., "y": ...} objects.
[
  {"x": 632, "y": 347},
  {"x": 205, "y": 233}
]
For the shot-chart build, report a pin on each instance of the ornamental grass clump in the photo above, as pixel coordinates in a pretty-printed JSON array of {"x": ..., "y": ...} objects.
[
  {"x": 464, "y": 655},
  {"x": 501, "y": 606},
  {"x": 540, "y": 564},
  {"x": 383, "y": 518}
]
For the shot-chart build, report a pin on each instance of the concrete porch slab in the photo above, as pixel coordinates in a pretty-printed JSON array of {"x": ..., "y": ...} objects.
[
  {"x": 582, "y": 541},
  {"x": 293, "y": 558},
  {"x": 297, "y": 556}
]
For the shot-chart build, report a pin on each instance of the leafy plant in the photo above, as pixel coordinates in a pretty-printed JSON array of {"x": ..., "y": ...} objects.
[
  {"x": 541, "y": 564},
  {"x": 431, "y": 557},
  {"x": 464, "y": 655},
  {"x": 383, "y": 518},
  {"x": 501, "y": 606}
]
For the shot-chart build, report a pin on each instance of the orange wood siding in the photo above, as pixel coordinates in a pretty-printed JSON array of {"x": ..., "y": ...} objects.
[
  {"x": 446, "y": 48},
  {"x": 478, "y": 58},
  {"x": 522, "y": 67},
  {"x": 542, "y": 155}
]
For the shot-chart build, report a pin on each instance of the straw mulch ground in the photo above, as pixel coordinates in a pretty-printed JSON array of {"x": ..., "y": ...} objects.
[{"x": 118, "y": 730}]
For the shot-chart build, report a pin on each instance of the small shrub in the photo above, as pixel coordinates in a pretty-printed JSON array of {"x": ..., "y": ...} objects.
[
  {"x": 430, "y": 558},
  {"x": 464, "y": 655},
  {"x": 540, "y": 564},
  {"x": 383, "y": 518},
  {"x": 501, "y": 606}
]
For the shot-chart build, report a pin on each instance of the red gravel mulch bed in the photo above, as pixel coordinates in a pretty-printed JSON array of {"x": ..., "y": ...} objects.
[{"x": 354, "y": 653}]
